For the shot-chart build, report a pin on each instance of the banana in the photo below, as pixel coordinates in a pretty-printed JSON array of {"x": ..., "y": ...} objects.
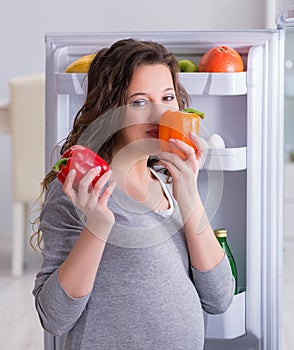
[{"x": 81, "y": 65}]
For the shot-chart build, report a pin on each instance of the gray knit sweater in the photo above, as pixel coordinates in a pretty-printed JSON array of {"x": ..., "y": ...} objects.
[{"x": 146, "y": 296}]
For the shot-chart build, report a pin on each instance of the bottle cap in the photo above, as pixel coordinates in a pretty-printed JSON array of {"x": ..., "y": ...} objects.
[{"x": 221, "y": 232}]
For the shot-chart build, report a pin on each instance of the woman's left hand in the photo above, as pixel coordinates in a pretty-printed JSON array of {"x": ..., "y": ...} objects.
[{"x": 184, "y": 171}]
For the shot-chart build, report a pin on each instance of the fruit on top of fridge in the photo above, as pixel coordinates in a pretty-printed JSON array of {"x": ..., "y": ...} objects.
[
  {"x": 82, "y": 159},
  {"x": 215, "y": 141},
  {"x": 178, "y": 125},
  {"x": 187, "y": 66},
  {"x": 80, "y": 65},
  {"x": 221, "y": 59}
]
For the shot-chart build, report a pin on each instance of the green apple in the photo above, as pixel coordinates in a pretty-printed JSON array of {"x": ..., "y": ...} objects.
[{"x": 187, "y": 66}]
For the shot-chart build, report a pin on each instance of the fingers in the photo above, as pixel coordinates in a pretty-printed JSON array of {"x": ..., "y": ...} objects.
[
  {"x": 170, "y": 161},
  {"x": 199, "y": 142},
  {"x": 193, "y": 159},
  {"x": 68, "y": 184},
  {"x": 187, "y": 150},
  {"x": 96, "y": 195},
  {"x": 85, "y": 184},
  {"x": 107, "y": 193},
  {"x": 189, "y": 161},
  {"x": 86, "y": 192}
]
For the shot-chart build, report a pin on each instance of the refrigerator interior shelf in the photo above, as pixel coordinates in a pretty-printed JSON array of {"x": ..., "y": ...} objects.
[
  {"x": 70, "y": 83},
  {"x": 230, "y": 159},
  {"x": 230, "y": 324},
  {"x": 214, "y": 83},
  {"x": 194, "y": 83}
]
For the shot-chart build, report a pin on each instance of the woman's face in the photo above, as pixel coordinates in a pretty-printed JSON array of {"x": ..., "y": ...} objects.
[{"x": 150, "y": 93}]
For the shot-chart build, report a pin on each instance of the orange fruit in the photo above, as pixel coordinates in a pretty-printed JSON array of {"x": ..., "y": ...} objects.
[
  {"x": 177, "y": 125},
  {"x": 221, "y": 59}
]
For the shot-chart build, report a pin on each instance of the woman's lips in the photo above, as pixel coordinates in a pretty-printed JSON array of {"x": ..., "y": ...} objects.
[{"x": 153, "y": 133}]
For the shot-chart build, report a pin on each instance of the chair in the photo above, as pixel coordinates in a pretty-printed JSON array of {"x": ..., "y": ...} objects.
[{"x": 27, "y": 116}]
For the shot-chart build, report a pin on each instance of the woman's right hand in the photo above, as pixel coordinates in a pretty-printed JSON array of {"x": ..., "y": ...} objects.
[{"x": 92, "y": 201}]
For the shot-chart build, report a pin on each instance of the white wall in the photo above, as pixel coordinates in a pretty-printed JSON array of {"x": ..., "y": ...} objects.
[{"x": 23, "y": 24}]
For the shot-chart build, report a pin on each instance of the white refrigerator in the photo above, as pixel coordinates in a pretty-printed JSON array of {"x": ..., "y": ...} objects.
[{"x": 241, "y": 184}]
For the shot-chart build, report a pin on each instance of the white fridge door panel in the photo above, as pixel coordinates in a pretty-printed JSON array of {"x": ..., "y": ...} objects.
[{"x": 230, "y": 324}]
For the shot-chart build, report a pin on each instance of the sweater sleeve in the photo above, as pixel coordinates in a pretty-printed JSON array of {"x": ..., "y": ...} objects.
[
  {"x": 60, "y": 226},
  {"x": 215, "y": 287}
]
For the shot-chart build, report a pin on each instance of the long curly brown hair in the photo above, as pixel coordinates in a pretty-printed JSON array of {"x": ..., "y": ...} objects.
[{"x": 109, "y": 77}]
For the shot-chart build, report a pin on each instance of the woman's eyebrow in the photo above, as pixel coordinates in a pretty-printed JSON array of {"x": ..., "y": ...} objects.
[
  {"x": 144, "y": 93},
  {"x": 137, "y": 94}
]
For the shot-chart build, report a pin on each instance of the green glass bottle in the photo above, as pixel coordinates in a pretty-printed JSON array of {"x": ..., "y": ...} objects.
[{"x": 221, "y": 235}]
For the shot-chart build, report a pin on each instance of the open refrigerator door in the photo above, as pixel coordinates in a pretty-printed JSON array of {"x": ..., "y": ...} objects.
[{"x": 240, "y": 184}]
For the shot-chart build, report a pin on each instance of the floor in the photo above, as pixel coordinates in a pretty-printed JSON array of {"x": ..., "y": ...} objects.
[
  {"x": 20, "y": 327},
  {"x": 18, "y": 315}
]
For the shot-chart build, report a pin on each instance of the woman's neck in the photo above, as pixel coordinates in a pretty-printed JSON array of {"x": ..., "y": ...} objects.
[
  {"x": 138, "y": 182},
  {"x": 131, "y": 171}
]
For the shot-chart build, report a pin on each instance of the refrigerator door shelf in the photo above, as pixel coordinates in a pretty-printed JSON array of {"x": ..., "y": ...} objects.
[
  {"x": 221, "y": 84},
  {"x": 230, "y": 324},
  {"x": 226, "y": 159},
  {"x": 214, "y": 83},
  {"x": 70, "y": 83}
]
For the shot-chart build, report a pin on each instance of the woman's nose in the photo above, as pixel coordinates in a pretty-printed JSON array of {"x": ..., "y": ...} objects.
[{"x": 156, "y": 110}]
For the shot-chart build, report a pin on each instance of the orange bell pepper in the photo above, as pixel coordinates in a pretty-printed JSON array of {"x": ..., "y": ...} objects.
[{"x": 178, "y": 125}]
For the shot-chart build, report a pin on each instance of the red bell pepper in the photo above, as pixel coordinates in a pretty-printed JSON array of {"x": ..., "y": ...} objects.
[{"x": 82, "y": 159}]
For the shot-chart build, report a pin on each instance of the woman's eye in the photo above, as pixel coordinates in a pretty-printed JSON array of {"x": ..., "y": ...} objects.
[
  {"x": 139, "y": 103},
  {"x": 169, "y": 98}
]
